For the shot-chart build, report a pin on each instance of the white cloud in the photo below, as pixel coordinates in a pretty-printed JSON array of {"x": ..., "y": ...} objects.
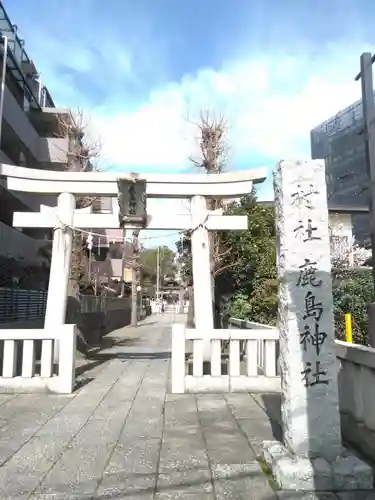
[{"x": 271, "y": 103}]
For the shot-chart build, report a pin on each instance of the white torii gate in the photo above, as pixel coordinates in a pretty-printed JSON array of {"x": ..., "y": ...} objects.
[{"x": 64, "y": 216}]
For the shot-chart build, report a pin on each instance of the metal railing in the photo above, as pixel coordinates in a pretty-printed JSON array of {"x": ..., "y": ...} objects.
[{"x": 18, "y": 305}]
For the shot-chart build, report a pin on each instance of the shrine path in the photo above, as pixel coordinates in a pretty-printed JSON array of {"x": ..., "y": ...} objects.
[{"x": 122, "y": 435}]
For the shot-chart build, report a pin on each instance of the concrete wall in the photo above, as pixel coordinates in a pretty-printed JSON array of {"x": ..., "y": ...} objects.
[
  {"x": 357, "y": 396},
  {"x": 92, "y": 326},
  {"x": 20, "y": 325},
  {"x": 17, "y": 245},
  {"x": 356, "y": 383}
]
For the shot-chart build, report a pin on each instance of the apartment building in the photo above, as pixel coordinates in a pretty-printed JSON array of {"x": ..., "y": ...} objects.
[
  {"x": 35, "y": 133},
  {"x": 32, "y": 136},
  {"x": 340, "y": 142}
]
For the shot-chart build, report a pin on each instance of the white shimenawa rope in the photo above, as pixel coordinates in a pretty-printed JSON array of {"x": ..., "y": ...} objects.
[{"x": 109, "y": 239}]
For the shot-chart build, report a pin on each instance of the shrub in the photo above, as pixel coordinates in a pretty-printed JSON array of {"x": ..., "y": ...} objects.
[{"x": 353, "y": 290}]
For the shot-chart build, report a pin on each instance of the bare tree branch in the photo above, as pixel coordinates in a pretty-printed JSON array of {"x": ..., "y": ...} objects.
[
  {"x": 84, "y": 147},
  {"x": 213, "y": 143},
  {"x": 214, "y": 147}
]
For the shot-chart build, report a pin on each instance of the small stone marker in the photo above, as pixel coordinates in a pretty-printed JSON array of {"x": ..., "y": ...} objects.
[{"x": 312, "y": 456}]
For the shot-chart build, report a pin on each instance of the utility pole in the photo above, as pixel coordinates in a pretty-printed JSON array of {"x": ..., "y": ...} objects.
[
  {"x": 157, "y": 275},
  {"x": 135, "y": 267},
  {"x": 368, "y": 107},
  {"x": 161, "y": 274},
  {"x": 123, "y": 264}
]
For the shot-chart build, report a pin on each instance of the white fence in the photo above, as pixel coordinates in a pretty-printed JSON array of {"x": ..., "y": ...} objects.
[
  {"x": 241, "y": 360},
  {"x": 252, "y": 325},
  {"x": 26, "y": 361}
]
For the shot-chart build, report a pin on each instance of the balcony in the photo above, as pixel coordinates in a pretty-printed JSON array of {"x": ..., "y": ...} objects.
[
  {"x": 47, "y": 120},
  {"x": 20, "y": 123},
  {"x": 53, "y": 150},
  {"x": 44, "y": 150},
  {"x": 21, "y": 67}
]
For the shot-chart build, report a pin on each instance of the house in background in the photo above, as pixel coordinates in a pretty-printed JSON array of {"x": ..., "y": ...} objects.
[
  {"x": 110, "y": 255},
  {"x": 341, "y": 230}
]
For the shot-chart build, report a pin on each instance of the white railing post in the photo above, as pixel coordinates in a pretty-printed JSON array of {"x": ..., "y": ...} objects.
[
  {"x": 67, "y": 359},
  {"x": 178, "y": 358},
  {"x": 216, "y": 357},
  {"x": 234, "y": 358},
  {"x": 270, "y": 368},
  {"x": 9, "y": 358},
  {"x": 234, "y": 381},
  {"x": 28, "y": 359},
  {"x": 252, "y": 358}
]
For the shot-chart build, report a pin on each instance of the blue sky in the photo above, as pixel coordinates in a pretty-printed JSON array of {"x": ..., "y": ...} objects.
[{"x": 143, "y": 70}]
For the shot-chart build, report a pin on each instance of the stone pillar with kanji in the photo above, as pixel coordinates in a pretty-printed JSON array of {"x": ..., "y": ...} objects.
[{"x": 311, "y": 456}]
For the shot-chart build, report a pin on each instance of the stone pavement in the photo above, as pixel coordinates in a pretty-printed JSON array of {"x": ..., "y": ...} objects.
[{"x": 122, "y": 436}]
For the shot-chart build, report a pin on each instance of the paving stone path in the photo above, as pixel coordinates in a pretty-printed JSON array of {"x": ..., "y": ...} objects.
[{"x": 123, "y": 436}]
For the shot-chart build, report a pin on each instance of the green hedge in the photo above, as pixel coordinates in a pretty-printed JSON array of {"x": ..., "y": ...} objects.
[{"x": 353, "y": 290}]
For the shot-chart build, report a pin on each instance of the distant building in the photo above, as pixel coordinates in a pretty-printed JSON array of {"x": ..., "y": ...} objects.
[
  {"x": 340, "y": 142},
  {"x": 111, "y": 257},
  {"x": 111, "y": 254}
]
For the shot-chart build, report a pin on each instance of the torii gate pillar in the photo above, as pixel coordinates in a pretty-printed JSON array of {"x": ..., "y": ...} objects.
[
  {"x": 59, "y": 277},
  {"x": 200, "y": 246}
]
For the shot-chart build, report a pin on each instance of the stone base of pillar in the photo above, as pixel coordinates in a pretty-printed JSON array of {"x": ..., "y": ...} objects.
[{"x": 347, "y": 473}]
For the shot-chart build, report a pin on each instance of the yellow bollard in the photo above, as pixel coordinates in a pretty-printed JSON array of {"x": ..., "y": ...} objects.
[{"x": 348, "y": 328}]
